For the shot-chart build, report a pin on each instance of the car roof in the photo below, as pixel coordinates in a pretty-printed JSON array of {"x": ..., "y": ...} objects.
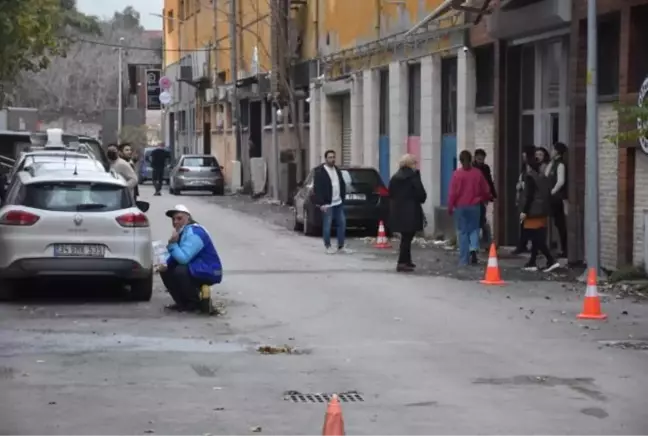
[
  {"x": 54, "y": 153},
  {"x": 198, "y": 155},
  {"x": 68, "y": 175},
  {"x": 63, "y": 165}
]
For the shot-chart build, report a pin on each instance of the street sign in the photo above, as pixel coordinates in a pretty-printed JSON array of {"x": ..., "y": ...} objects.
[
  {"x": 153, "y": 89},
  {"x": 165, "y": 97},
  {"x": 165, "y": 83}
]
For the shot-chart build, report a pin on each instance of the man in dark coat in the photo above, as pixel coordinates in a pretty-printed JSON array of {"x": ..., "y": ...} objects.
[
  {"x": 481, "y": 165},
  {"x": 158, "y": 160},
  {"x": 329, "y": 189},
  {"x": 406, "y": 197}
]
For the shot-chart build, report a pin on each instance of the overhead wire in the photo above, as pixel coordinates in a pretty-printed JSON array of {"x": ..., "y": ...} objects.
[{"x": 135, "y": 47}]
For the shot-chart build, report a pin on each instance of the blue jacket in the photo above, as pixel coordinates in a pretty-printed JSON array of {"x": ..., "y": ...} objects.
[{"x": 196, "y": 250}]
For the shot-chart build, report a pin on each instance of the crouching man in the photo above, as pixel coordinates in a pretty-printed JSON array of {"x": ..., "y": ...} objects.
[{"x": 193, "y": 261}]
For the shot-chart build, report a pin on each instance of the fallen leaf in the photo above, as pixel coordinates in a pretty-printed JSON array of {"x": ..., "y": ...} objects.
[{"x": 255, "y": 429}]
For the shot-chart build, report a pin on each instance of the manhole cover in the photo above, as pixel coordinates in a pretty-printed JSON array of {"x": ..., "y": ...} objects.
[
  {"x": 627, "y": 344},
  {"x": 344, "y": 397}
]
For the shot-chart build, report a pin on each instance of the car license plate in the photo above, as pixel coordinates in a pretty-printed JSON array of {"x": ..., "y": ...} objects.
[
  {"x": 79, "y": 250},
  {"x": 361, "y": 197}
]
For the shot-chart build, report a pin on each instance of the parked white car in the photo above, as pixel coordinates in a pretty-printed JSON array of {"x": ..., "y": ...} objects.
[{"x": 75, "y": 223}]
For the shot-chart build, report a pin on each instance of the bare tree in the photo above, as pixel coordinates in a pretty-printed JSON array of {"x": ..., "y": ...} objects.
[{"x": 85, "y": 82}]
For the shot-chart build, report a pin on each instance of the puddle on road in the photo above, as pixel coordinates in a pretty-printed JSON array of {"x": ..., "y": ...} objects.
[{"x": 13, "y": 343}]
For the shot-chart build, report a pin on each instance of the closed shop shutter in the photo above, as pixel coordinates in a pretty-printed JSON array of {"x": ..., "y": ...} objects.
[{"x": 346, "y": 131}]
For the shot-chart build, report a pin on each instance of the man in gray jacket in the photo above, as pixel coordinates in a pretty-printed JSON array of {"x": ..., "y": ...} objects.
[{"x": 123, "y": 168}]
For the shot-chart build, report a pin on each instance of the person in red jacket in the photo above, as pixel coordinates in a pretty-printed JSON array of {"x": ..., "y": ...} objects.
[{"x": 468, "y": 190}]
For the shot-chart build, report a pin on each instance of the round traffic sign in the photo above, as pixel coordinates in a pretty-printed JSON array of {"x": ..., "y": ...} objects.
[
  {"x": 165, "y": 82},
  {"x": 165, "y": 97}
]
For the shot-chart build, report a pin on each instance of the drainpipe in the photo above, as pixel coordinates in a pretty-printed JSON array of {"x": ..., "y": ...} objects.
[
  {"x": 317, "y": 27},
  {"x": 378, "y": 15}
]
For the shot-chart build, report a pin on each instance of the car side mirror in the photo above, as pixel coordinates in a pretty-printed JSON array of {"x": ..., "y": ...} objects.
[{"x": 143, "y": 205}]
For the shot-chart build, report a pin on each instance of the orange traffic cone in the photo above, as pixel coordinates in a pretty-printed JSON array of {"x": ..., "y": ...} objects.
[
  {"x": 381, "y": 240},
  {"x": 492, "y": 276},
  {"x": 592, "y": 303},
  {"x": 333, "y": 421}
]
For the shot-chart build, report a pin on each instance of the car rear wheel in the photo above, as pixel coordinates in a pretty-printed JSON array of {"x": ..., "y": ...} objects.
[
  {"x": 309, "y": 228},
  {"x": 219, "y": 191},
  {"x": 297, "y": 226},
  {"x": 142, "y": 289}
]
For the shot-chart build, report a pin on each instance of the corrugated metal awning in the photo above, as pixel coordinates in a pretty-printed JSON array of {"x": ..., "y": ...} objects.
[{"x": 447, "y": 6}]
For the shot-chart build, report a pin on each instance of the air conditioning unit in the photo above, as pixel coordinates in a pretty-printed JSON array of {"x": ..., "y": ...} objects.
[{"x": 222, "y": 93}]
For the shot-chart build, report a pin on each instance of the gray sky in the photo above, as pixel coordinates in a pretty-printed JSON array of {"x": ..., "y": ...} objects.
[{"x": 107, "y": 9}]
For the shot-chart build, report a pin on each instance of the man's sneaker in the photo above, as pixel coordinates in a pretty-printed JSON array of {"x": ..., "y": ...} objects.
[
  {"x": 473, "y": 257},
  {"x": 530, "y": 267},
  {"x": 344, "y": 250},
  {"x": 331, "y": 250},
  {"x": 552, "y": 267}
]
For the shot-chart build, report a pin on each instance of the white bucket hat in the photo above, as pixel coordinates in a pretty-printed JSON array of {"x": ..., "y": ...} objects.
[{"x": 178, "y": 208}]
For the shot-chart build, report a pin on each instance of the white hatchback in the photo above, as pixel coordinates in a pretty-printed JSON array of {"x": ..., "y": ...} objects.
[{"x": 81, "y": 224}]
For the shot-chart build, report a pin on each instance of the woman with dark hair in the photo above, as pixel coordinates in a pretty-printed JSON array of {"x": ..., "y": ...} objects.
[
  {"x": 542, "y": 157},
  {"x": 468, "y": 190},
  {"x": 527, "y": 152},
  {"x": 534, "y": 215},
  {"x": 556, "y": 171}
]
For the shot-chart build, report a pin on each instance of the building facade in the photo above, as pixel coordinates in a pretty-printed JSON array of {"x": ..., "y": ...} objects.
[
  {"x": 531, "y": 87},
  {"x": 379, "y": 93}
]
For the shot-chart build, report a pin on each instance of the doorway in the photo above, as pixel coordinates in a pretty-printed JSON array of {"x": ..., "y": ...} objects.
[
  {"x": 207, "y": 138},
  {"x": 255, "y": 129}
]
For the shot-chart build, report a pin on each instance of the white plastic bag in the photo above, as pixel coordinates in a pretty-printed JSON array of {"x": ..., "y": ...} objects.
[{"x": 160, "y": 252}]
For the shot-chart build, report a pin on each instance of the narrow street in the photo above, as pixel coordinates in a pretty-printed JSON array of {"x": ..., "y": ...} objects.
[{"x": 430, "y": 355}]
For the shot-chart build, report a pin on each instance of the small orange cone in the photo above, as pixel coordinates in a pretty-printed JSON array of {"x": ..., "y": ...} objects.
[
  {"x": 492, "y": 276},
  {"x": 333, "y": 421},
  {"x": 592, "y": 303},
  {"x": 381, "y": 240}
]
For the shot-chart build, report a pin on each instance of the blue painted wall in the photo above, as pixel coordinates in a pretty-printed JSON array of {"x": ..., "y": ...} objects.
[
  {"x": 448, "y": 164},
  {"x": 383, "y": 158}
]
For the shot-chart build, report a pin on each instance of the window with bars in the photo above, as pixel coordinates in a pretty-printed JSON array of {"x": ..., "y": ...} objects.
[
  {"x": 485, "y": 72},
  {"x": 414, "y": 100},
  {"x": 449, "y": 95},
  {"x": 383, "y": 109}
]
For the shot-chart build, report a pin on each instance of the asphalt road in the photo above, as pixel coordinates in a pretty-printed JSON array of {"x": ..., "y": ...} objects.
[{"x": 430, "y": 355}]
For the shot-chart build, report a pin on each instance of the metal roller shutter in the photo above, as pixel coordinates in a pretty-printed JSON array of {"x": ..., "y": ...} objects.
[{"x": 346, "y": 131}]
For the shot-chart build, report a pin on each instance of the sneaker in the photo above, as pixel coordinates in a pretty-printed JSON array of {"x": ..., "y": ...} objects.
[
  {"x": 344, "y": 250},
  {"x": 404, "y": 268},
  {"x": 473, "y": 258},
  {"x": 530, "y": 267},
  {"x": 552, "y": 267},
  {"x": 411, "y": 265},
  {"x": 331, "y": 250}
]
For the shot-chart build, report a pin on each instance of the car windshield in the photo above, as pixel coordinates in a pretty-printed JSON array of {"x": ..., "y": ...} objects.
[
  {"x": 76, "y": 196},
  {"x": 208, "y": 161},
  {"x": 365, "y": 177}
]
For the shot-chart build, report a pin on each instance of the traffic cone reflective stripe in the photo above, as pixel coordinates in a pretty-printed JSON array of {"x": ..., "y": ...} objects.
[
  {"x": 592, "y": 301},
  {"x": 381, "y": 239},
  {"x": 492, "y": 276},
  {"x": 333, "y": 421}
]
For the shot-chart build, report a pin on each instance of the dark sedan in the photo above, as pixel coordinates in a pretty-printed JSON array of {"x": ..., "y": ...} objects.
[{"x": 365, "y": 205}]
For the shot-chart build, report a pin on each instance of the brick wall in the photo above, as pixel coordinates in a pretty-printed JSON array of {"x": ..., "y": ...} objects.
[
  {"x": 640, "y": 206},
  {"x": 608, "y": 181}
]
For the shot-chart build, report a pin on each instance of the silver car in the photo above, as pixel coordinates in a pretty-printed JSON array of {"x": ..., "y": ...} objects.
[
  {"x": 43, "y": 156},
  {"x": 77, "y": 224},
  {"x": 197, "y": 172}
]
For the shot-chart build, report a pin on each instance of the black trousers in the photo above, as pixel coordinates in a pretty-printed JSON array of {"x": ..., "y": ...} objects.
[
  {"x": 523, "y": 242},
  {"x": 560, "y": 220},
  {"x": 405, "y": 249},
  {"x": 539, "y": 244},
  {"x": 158, "y": 178},
  {"x": 183, "y": 288}
]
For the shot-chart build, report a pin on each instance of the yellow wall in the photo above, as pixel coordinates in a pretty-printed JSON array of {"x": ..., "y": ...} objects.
[
  {"x": 198, "y": 31},
  {"x": 350, "y": 23}
]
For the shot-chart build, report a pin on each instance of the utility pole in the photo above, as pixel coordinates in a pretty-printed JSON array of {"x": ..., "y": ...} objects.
[
  {"x": 274, "y": 153},
  {"x": 592, "y": 232},
  {"x": 234, "y": 71},
  {"x": 120, "y": 86}
]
